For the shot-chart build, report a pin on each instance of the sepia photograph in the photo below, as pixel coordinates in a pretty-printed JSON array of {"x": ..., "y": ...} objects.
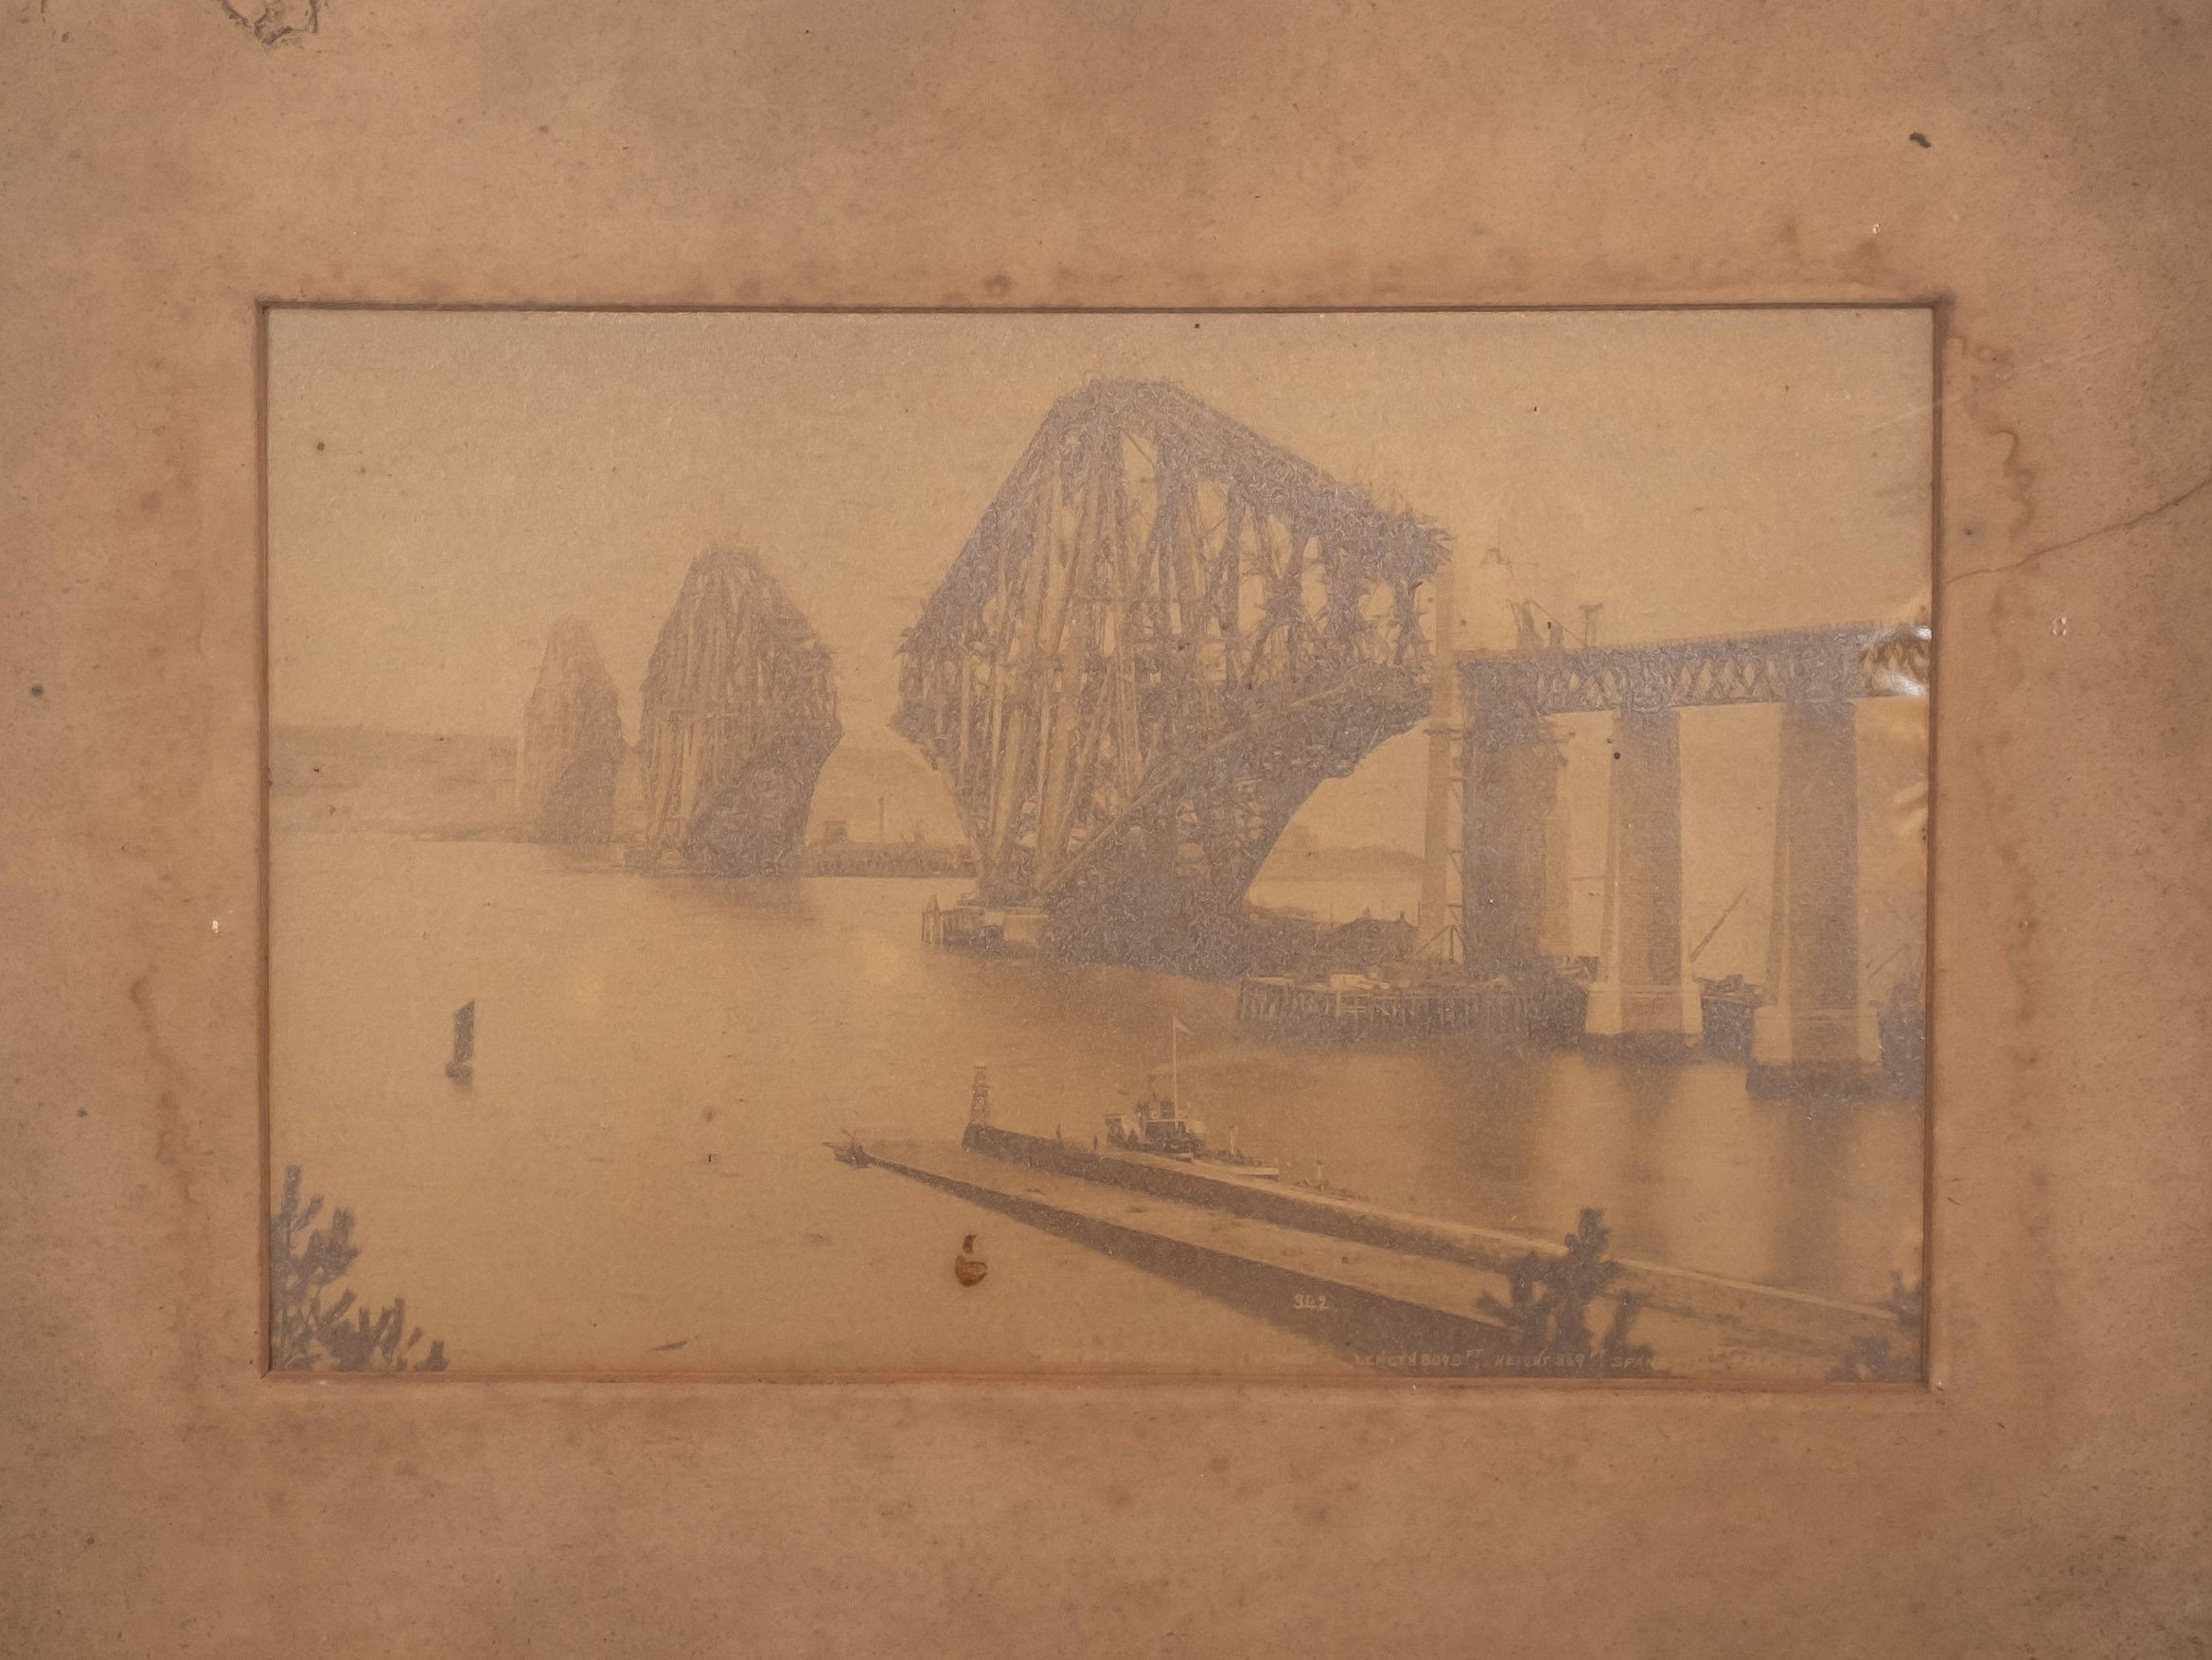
[
  {"x": 1334, "y": 846},
  {"x": 1039, "y": 830}
]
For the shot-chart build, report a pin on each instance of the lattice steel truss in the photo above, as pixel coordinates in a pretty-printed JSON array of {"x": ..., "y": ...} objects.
[
  {"x": 739, "y": 712},
  {"x": 1798, "y": 665},
  {"x": 1166, "y": 631}
]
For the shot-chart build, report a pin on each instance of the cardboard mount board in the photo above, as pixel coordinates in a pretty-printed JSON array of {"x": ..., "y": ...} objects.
[{"x": 168, "y": 173}]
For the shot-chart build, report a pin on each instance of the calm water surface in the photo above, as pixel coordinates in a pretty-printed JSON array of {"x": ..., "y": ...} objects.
[{"x": 638, "y": 1178}]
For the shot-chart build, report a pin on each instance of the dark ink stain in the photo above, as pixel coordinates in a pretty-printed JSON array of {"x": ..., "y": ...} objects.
[
  {"x": 318, "y": 445},
  {"x": 1920, "y": 139},
  {"x": 274, "y": 22},
  {"x": 38, "y": 691},
  {"x": 670, "y": 1347}
]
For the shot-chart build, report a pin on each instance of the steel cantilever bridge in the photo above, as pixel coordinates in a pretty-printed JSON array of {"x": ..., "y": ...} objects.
[{"x": 1164, "y": 633}]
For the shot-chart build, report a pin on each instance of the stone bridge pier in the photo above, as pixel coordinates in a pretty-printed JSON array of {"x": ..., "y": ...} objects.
[
  {"x": 1643, "y": 988},
  {"x": 1511, "y": 798},
  {"x": 1814, "y": 1021}
]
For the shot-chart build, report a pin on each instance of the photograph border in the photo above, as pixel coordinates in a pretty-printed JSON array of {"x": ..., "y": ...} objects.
[{"x": 1926, "y": 1388}]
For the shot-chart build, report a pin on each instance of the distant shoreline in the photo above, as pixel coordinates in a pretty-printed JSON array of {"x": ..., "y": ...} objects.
[{"x": 460, "y": 786}]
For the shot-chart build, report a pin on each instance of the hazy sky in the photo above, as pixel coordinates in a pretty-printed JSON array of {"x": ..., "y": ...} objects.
[{"x": 446, "y": 486}]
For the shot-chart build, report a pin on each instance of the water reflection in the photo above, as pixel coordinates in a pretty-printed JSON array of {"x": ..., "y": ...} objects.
[{"x": 659, "y": 1060}]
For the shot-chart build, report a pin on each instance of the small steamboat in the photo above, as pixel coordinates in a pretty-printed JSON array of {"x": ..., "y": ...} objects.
[{"x": 1159, "y": 1127}]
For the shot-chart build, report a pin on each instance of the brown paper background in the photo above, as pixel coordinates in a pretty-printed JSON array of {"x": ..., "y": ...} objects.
[{"x": 164, "y": 170}]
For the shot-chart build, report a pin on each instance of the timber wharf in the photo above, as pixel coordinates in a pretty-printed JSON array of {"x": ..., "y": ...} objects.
[
  {"x": 970, "y": 926},
  {"x": 1353, "y": 1006}
]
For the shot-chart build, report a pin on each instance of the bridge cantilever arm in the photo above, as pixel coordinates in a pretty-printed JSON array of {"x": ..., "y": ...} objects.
[{"x": 1171, "y": 780}]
